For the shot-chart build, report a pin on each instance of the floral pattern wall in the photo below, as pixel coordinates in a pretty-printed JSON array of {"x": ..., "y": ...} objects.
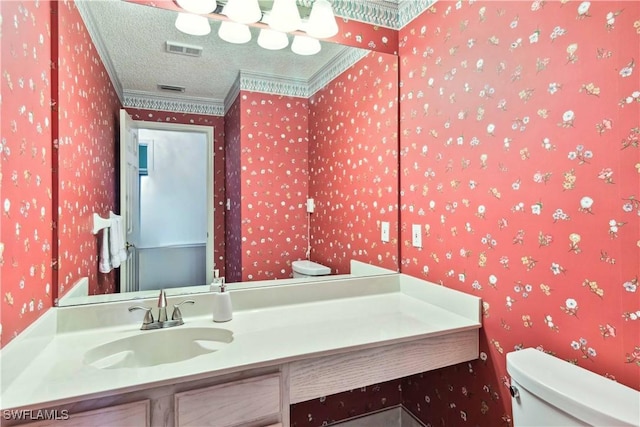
[
  {"x": 273, "y": 155},
  {"x": 520, "y": 163},
  {"x": 218, "y": 125},
  {"x": 25, "y": 166},
  {"x": 87, "y": 122},
  {"x": 233, "y": 181},
  {"x": 349, "y": 404},
  {"x": 353, "y": 158}
]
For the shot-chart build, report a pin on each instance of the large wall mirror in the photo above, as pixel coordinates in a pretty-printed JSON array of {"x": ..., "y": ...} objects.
[{"x": 289, "y": 128}]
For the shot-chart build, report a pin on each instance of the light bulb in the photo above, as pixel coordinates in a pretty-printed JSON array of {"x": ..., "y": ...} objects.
[
  {"x": 322, "y": 22},
  {"x": 284, "y": 16},
  {"x": 199, "y": 7},
  {"x": 234, "y": 32},
  {"x": 272, "y": 40},
  {"x": 243, "y": 11},
  {"x": 303, "y": 45},
  {"x": 194, "y": 25}
]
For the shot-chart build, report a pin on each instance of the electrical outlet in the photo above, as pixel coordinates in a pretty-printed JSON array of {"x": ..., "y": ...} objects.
[
  {"x": 384, "y": 231},
  {"x": 416, "y": 235}
]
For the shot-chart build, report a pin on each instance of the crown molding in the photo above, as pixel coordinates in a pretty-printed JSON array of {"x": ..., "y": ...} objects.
[
  {"x": 183, "y": 104},
  {"x": 393, "y": 14},
  {"x": 346, "y": 58},
  {"x": 408, "y": 10},
  {"x": 90, "y": 23},
  {"x": 249, "y": 81},
  {"x": 383, "y": 13},
  {"x": 376, "y": 12},
  {"x": 266, "y": 83},
  {"x": 232, "y": 94}
]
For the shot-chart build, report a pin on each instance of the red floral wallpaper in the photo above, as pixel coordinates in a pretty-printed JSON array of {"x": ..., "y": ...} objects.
[
  {"x": 349, "y": 404},
  {"x": 233, "y": 183},
  {"x": 25, "y": 153},
  {"x": 520, "y": 162},
  {"x": 366, "y": 36},
  {"x": 273, "y": 184},
  {"x": 218, "y": 168},
  {"x": 353, "y": 172},
  {"x": 87, "y": 123}
]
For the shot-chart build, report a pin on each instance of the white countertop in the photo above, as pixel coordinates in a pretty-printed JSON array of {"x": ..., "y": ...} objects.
[{"x": 262, "y": 336}]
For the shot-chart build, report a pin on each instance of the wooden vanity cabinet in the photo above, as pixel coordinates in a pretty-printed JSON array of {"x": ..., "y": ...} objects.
[
  {"x": 261, "y": 397},
  {"x": 254, "y": 402},
  {"x": 248, "y": 399},
  {"x": 129, "y": 414}
]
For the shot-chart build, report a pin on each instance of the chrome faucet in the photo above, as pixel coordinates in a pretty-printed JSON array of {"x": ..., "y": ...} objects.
[
  {"x": 176, "y": 318},
  {"x": 162, "y": 306}
]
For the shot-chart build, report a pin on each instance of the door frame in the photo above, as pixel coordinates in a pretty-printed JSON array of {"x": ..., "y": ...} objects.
[{"x": 209, "y": 131}]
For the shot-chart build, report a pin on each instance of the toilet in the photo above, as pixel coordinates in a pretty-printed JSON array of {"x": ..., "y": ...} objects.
[
  {"x": 306, "y": 268},
  {"x": 547, "y": 391}
]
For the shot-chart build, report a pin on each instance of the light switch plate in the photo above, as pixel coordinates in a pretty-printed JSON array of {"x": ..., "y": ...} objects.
[
  {"x": 384, "y": 231},
  {"x": 416, "y": 235}
]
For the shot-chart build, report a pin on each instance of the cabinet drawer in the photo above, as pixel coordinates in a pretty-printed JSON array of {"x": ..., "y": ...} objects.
[
  {"x": 134, "y": 414},
  {"x": 254, "y": 401}
]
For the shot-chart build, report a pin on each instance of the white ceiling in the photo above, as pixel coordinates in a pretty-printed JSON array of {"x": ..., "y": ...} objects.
[{"x": 131, "y": 39}]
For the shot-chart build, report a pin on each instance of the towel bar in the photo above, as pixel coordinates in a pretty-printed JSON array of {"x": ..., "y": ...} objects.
[{"x": 99, "y": 223}]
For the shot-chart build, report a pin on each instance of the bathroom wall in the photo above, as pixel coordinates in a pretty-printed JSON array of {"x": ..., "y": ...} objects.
[
  {"x": 219, "y": 197},
  {"x": 233, "y": 218},
  {"x": 273, "y": 184},
  {"x": 353, "y": 157},
  {"x": 349, "y": 404},
  {"x": 25, "y": 150},
  {"x": 87, "y": 108},
  {"x": 519, "y": 160}
]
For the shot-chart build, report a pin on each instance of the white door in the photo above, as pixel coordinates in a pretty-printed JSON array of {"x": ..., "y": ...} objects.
[{"x": 129, "y": 199}]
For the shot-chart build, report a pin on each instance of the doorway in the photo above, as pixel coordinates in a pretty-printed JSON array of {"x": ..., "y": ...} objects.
[{"x": 174, "y": 245}]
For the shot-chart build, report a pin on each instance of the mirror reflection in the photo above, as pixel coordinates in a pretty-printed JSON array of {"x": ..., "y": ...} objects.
[{"x": 305, "y": 145}]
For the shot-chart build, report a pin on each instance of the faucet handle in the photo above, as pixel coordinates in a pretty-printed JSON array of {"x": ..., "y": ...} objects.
[
  {"x": 148, "y": 316},
  {"x": 177, "y": 314}
]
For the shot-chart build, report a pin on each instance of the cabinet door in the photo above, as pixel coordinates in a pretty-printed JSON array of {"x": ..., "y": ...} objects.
[
  {"x": 134, "y": 414},
  {"x": 251, "y": 402}
]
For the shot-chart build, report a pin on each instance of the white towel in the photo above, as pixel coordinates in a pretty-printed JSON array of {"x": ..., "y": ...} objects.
[
  {"x": 116, "y": 241},
  {"x": 104, "y": 264}
]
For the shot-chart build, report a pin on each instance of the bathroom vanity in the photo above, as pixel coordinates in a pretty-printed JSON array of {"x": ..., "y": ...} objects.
[{"x": 92, "y": 365}]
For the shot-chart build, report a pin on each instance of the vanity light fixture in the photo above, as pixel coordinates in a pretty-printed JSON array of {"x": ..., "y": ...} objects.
[
  {"x": 303, "y": 45},
  {"x": 243, "y": 11},
  {"x": 284, "y": 16},
  {"x": 272, "y": 39},
  {"x": 322, "y": 22},
  {"x": 200, "y": 7},
  {"x": 196, "y": 25},
  {"x": 234, "y": 32}
]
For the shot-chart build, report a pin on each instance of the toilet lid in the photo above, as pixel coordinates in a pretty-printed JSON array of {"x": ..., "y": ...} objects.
[
  {"x": 310, "y": 268},
  {"x": 579, "y": 392}
]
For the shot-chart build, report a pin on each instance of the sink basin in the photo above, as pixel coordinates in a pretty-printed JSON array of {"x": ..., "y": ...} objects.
[{"x": 157, "y": 347}]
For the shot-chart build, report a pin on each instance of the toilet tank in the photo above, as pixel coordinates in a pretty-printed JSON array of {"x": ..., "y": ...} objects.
[
  {"x": 547, "y": 391},
  {"x": 306, "y": 268}
]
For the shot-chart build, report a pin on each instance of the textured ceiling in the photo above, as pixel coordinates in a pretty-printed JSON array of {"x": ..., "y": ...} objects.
[{"x": 133, "y": 38}]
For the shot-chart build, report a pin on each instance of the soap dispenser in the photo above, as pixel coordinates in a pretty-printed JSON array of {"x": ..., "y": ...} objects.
[{"x": 222, "y": 311}]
